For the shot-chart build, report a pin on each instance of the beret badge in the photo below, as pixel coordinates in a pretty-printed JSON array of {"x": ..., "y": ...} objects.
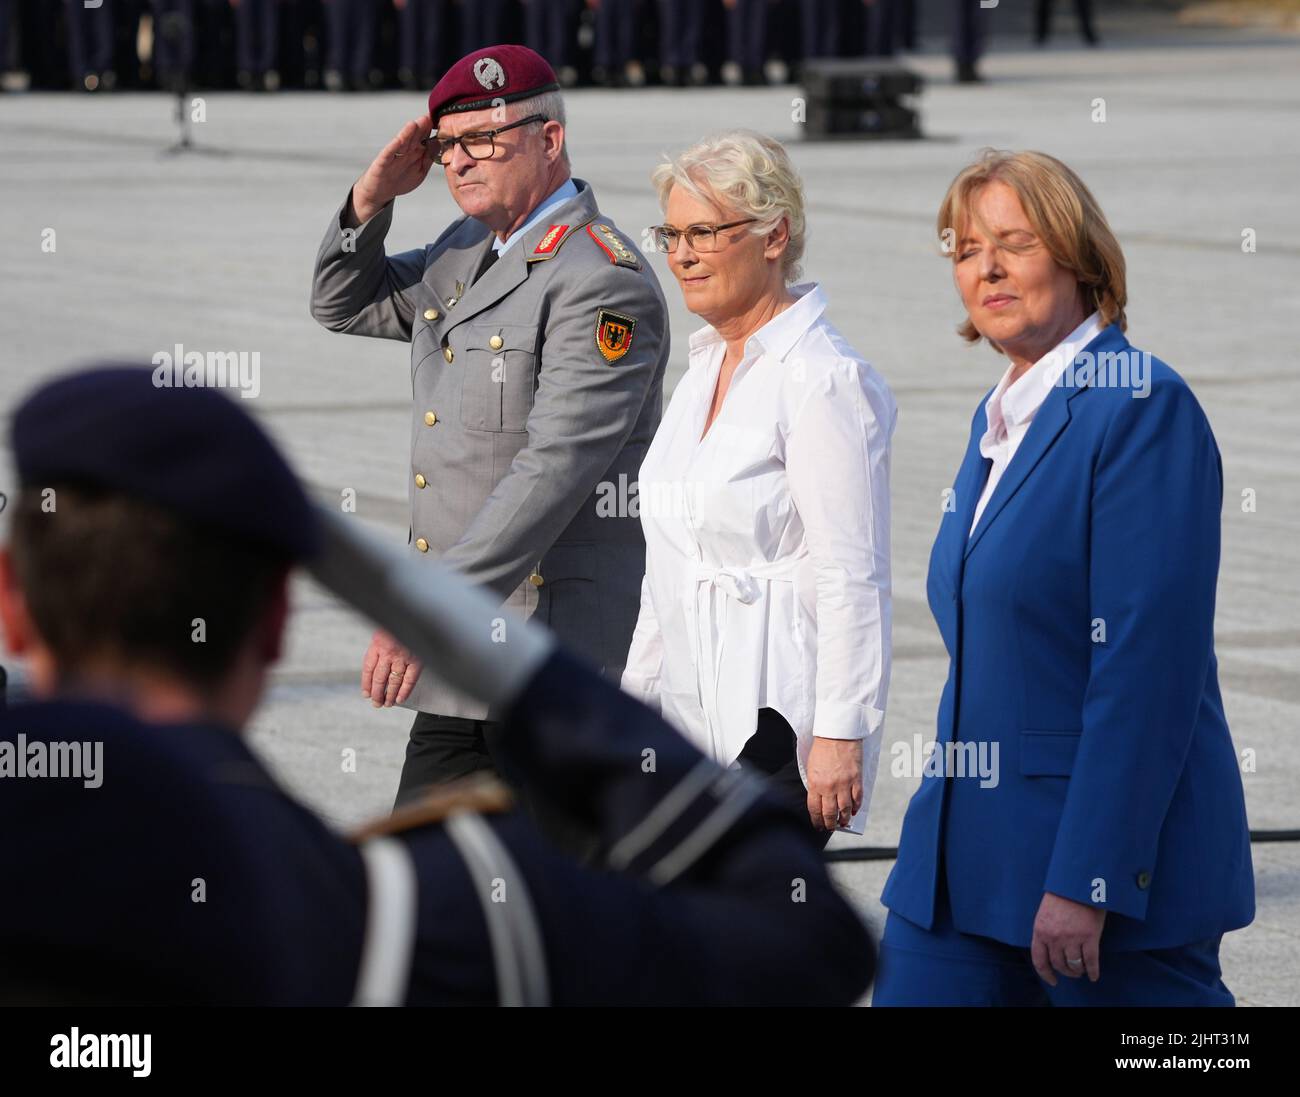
[{"x": 489, "y": 73}]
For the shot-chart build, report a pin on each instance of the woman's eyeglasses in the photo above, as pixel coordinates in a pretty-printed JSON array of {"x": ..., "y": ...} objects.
[
  {"x": 477, "y": 146},
  {"x": 699, "y": 237}
]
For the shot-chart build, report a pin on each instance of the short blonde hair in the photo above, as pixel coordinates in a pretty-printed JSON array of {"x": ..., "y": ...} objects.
[
  {"x": 1065, "y": 217},
  {"x": 747, "y": 172}
]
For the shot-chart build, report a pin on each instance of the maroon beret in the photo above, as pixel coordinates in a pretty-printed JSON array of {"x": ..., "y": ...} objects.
[{"x": 488, "y": 76}]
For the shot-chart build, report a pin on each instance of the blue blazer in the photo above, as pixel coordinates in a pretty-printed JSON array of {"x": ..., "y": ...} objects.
[{"x": 1079, "y": 622}]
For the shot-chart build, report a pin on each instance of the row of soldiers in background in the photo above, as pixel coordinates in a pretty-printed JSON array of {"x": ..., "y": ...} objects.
[{"x": 365, "y": 44}]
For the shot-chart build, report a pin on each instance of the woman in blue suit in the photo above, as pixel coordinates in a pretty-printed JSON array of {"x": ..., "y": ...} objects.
[{"x": 1073, "y": 578}]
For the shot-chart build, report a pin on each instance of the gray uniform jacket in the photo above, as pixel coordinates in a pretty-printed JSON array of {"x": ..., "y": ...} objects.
[{"x": 536, "y": 391}]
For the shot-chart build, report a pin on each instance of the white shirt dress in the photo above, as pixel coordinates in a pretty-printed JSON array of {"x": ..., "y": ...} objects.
[{"x": 767, "y": 544}]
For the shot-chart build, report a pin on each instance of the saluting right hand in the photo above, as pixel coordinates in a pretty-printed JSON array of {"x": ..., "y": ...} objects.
[{"x": 400, "y": 167}]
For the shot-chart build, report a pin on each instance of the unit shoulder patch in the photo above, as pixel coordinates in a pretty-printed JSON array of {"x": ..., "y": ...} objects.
[
  {"x": 612, "y": 245},
  {"x": 614, "y": 333}
]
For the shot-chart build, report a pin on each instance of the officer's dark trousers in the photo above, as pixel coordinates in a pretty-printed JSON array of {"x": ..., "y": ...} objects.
[
  {"x": 447, "y": 748},
  {"x": 943, "y": 967},
  {"x": 770, "y": 752}
]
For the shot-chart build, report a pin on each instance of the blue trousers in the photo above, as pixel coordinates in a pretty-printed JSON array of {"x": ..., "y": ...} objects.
[{"x": 944, "y": 967}]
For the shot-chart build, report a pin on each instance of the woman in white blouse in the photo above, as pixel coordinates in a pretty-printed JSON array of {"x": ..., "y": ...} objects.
[{"x": 764, "y": 627}]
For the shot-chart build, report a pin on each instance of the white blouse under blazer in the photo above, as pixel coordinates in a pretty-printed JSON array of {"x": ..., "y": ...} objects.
[{"x": 767, "y": 544}]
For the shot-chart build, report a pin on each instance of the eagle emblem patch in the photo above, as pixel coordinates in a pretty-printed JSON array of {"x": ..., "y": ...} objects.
[{"x": 614, "y": 334}]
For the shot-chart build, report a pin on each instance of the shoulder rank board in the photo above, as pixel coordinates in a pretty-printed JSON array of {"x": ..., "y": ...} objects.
[
  {"x": 550, "y": 242},
  {"x": 613, "y": 246},
  {"x": 614, "y": 334}
]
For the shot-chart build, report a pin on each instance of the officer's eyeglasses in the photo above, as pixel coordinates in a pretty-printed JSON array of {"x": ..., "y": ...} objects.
[
  {"x": 699, "y": 237},
  {"x": 477, "y": 146}
]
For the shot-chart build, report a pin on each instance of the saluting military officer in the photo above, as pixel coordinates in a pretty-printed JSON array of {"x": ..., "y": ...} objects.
[{"x": 538, "y": 342}]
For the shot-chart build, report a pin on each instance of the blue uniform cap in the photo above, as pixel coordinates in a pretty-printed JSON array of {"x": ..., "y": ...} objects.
[{"x": 192, "y": 451}]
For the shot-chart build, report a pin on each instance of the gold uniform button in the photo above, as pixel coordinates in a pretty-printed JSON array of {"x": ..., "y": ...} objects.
[
  {"x": 536, "y": 579},
  {"x": 422, "y": 544},
  {"x": 431, "y": 314},
  {"x": 429, "y": 418},
  {"x": 420, "y": 481},
  {"x": 448, "y": 353},
  {"x": 496, "y": 342}
]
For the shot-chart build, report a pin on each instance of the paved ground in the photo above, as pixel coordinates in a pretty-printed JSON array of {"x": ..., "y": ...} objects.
[{"x": 214, "y": 250}]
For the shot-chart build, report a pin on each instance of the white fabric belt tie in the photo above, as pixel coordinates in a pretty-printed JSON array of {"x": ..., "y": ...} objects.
[
  {"x": 742, "y": 582},
  {"x": 715, "y": 588}
]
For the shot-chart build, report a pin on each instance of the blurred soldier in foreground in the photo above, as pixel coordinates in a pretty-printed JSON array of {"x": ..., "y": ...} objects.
[
  {"x": 538, "y": 342},
  {"x": 144, "y": 511}
]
